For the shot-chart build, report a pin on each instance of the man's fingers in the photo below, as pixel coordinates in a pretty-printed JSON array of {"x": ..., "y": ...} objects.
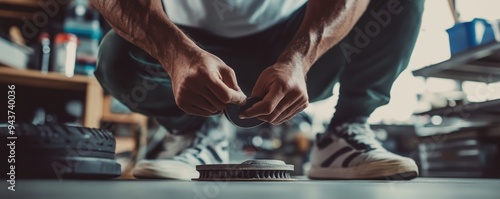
[
  {"x": 284, "y": 108},
  {"x": 203, "y": 103},
  {"x": 198, "y": 105},
  {"x": 259, "y": 89},
  {"x": 229, "y": 78},
  {"x": 210, "y": 97},
  {"x": 225, "y": 94},
  {"x": 292, "y": 112},
  {"x": 266, "y": 106},
  {"x": 289, "y": 117},
  {"x": 194, "y": 110}
]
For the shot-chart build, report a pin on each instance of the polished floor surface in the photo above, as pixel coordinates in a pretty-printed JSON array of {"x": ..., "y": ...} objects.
[{"x": 420, "y": 188}]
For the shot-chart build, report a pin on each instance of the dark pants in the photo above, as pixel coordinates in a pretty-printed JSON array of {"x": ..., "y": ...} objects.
[{"x": 365, "y": 63}]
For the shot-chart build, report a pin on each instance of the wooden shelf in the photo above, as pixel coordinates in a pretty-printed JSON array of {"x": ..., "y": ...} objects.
[
  {"x": 97, "y": 106},
  {"x": 130, "y": 118},
  {"x": 48, "y": 80},
  {"x": 89, "y": 85},
  {"x": 29, "y": 3},
  {"x": 17, "y": 9},
  {"x": 15, "y": 14}
]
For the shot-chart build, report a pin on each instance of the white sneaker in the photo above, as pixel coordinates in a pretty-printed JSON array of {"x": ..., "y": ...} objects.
[
  {"x": 209, "y": 146},
  {"x": 352, "y": 152}
]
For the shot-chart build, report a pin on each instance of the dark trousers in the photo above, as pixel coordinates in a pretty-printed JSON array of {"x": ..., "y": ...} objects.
[{"x": 365, "y": 63}]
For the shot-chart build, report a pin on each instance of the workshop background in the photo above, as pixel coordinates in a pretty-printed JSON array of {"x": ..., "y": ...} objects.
[{"x": 443, "y": 113}]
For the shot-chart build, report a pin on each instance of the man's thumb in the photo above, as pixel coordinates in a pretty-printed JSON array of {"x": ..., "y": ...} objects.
[{"x": 241, "y": 98}]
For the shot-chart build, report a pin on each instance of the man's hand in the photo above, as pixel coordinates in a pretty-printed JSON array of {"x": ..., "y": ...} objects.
[
  {"x": 202, "y": 84},
  {"x": 284, "y": 93},
  {"x": 283, "y": 85},
  {"x": 205, "y": 85}
]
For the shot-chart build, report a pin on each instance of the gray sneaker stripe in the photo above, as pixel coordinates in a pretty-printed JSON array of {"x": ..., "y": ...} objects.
[
  {"x": 214, "y": 153},
  {"x": 197, "y": 149},
  {"x": 349, "y": 159},
  {"x": 201, "y": 160},
  {"x": 335, "y": 155}
]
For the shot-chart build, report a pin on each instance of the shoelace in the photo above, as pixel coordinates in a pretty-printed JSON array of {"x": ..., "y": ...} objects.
[
  {"x": 359, "y": 135},
  {"x": 203, "y": 133},
  {"x": 190, "y": 154},
  {"x": 191, "y": 151}
]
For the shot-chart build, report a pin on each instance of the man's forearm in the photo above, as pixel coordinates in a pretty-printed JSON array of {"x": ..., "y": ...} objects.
[
  {"x": 325, "y": 24},
  {"x": 145, "y": 24}
]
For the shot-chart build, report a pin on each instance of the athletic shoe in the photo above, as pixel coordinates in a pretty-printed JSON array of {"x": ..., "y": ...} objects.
[
  {"x": 208, "y": 146},
  {"x": 350, "y": 151}
]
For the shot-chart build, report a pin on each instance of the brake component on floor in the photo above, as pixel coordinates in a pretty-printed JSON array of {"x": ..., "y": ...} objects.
[{"x": 251, "y": 170}]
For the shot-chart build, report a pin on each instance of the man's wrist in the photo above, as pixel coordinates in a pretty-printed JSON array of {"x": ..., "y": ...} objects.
[
  {"x": 301, "y": 51},
  {"x": 174, "y": 50},
  {"x": 295, "y": 61}
]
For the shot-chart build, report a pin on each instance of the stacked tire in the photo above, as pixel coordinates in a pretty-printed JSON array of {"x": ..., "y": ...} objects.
[{"x": 59, "y": 151}]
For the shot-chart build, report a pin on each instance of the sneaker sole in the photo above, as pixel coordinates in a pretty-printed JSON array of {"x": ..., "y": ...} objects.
[
  {"x": 152, "y": 174},
  {"x": 150, "y": 171},
  {"x": 381, "y": 170}
]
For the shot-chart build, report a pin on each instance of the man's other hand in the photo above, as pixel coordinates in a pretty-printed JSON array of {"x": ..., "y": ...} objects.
[{"x": 284, "y": 93}]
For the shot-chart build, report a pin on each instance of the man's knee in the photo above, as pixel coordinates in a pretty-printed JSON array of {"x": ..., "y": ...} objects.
[
  {"x": 115, "y": 72},
  {"x": 132, "y": 76},
  {"x": 110, "y": 50}
]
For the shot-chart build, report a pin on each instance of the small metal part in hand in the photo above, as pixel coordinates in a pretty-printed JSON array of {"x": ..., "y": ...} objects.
[{"x": 232, "y": 113}]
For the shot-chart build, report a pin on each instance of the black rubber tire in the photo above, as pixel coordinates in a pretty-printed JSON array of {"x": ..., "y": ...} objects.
[{"x": 60, "y": 151}]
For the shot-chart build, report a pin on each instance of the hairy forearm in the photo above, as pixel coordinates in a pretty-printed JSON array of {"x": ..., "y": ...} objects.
[
  {"x": 325, "y": 24},
  {"x": 145, "y": 24}
]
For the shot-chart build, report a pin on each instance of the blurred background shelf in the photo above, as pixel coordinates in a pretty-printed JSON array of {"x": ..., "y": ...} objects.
[
  {"x": 88, "y": 85},
  {"x": 491, "y": 108},
  {"x": 480, "y": 64},
  {"x": 17, "y": 9},
  {"x": 96, "y": 108},
  {"x": 29, "y": 3},
  {"x": 462, "y": 138}
]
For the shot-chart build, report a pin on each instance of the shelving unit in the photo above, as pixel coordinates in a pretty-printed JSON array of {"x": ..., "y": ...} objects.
[
  {"x": 96, "y": 107},
  {"x": 445, "y": 158},
  {"x": 17, "y": 9},
  {"x": 90, "y": 86},
  {"x": 31, "y": 3},
  {"x": 485, "y": 109},
  {"x": 481, "y": 64}
]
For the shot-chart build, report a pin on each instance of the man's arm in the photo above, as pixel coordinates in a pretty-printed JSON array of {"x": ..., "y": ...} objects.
[
  {"x": 145, "y": 24},
  {"x": 202, "y": 83},
  {"x": 283, "y": 85},
  {"x": 325, "y": 24}
]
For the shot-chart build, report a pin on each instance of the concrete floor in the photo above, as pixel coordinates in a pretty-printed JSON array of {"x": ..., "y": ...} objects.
[{"x": 420, "y": 188}]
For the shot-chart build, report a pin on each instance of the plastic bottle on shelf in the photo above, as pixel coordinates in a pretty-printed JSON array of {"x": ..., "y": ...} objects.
[
  {"x": 84, "y": 23},
  {"x": 65, "y": 53},
  {"x": 40, "y": 59},
  {"x": 45, "y": 52}
]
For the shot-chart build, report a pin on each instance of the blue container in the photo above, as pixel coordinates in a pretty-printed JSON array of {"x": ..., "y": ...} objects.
[{"x": 466, "y": 35}]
